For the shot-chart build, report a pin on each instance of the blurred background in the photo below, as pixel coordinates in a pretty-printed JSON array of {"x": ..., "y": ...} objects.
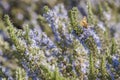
[{"x": 26, "y": 11}]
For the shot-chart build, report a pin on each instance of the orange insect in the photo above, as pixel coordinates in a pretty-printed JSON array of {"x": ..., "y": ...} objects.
[{"x": 84, "y": 22}]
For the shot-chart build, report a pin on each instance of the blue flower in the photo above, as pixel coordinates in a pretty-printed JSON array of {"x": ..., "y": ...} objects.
[
  {"x": 87, "y": 32},
  {"x": 52, "y": 19}
]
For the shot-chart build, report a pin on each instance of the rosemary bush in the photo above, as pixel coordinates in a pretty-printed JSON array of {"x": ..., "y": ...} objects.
[{"x": 60, "y": 43}]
